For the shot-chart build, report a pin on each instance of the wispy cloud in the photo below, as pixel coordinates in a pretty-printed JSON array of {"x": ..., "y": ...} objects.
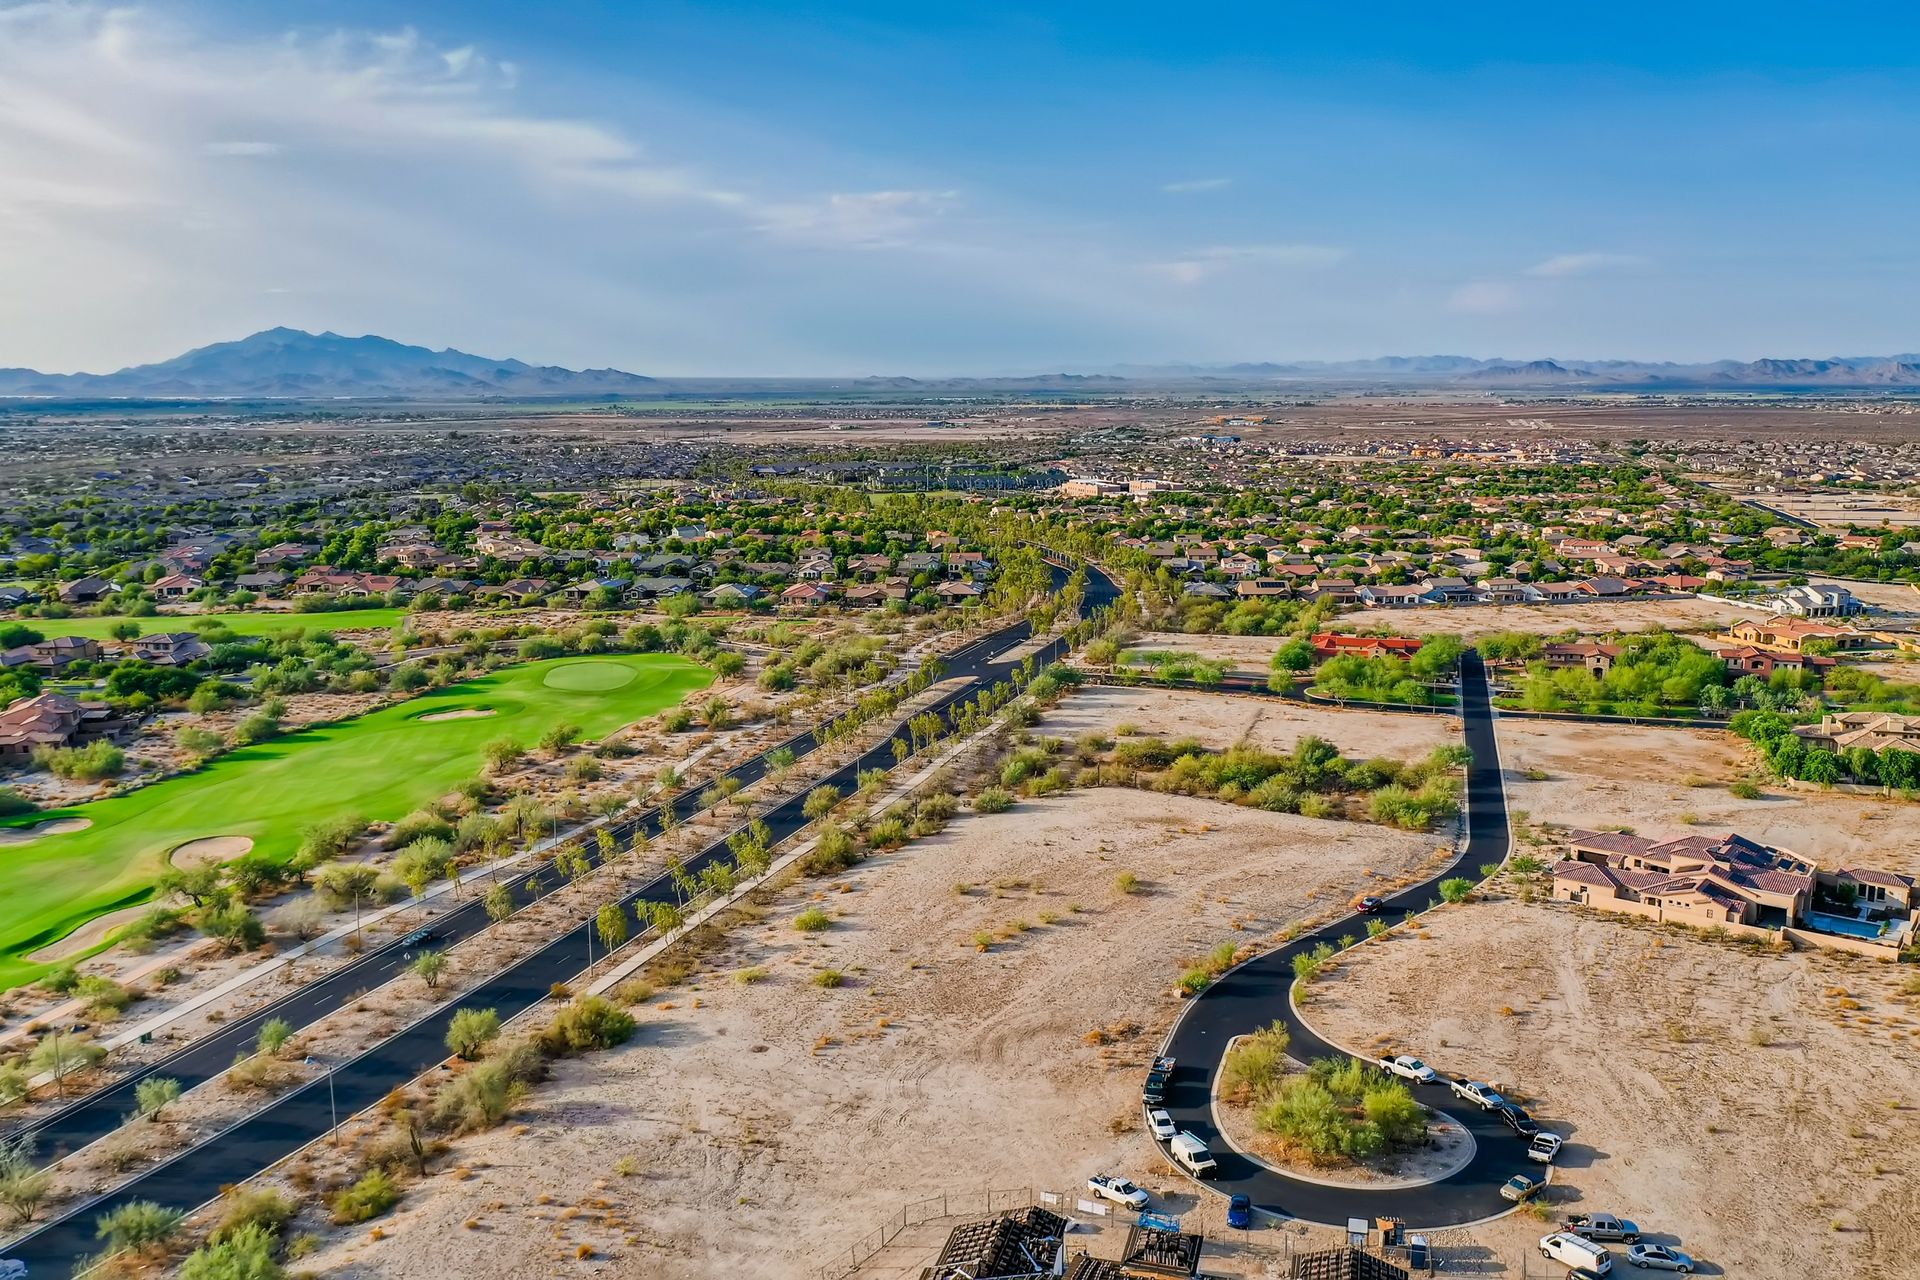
[
  {"x": 1204, "y": 264},
  {"x": 1193, "y": 185},
  {"x": 241, "y": 149},
  {"x": 1483, "y": 298},
  {"x": 1563, "y": 265}
]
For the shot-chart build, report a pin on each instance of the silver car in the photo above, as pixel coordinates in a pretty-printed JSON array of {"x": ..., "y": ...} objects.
[{"x": 1659, "y": 1257}]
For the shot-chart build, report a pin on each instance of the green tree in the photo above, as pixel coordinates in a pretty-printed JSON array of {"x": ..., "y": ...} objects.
[
  {"x": 471, "y": 1031},
  {"x": 137, "y": 1225},
  {"x": 154, "y": 1095},
  {"x": 499, "y": 903},
  {"x": 610, "y": 922},
  {"x": 429, "y": 967}
]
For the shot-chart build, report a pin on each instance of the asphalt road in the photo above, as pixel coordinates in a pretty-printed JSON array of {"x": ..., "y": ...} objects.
[
  {"x": 307, "y": 1113},
  {"x": 1255, "y": 994}
]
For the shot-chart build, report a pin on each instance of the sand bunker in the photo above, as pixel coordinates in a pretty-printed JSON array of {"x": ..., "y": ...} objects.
[
  {"x": 52, "y": 827},
  {"x": 464, "y": 713},
  {"x": 87, "y": 935},
  {"x": 209, "y": 851}
]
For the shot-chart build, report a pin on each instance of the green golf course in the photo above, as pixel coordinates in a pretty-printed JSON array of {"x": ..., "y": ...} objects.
[
  {"x": 241, "y": 624},
  {"x": 382, "y": 766}
]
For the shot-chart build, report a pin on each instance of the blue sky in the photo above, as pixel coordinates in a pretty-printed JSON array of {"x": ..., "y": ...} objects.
[{"x": 707, "y": 189}]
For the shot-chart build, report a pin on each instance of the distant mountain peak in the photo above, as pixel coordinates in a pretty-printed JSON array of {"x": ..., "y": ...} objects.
[{"x": 292, "y": 363}]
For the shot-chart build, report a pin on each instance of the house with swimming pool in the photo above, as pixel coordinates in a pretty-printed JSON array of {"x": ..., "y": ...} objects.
[{"x": 1734, "y": 883}]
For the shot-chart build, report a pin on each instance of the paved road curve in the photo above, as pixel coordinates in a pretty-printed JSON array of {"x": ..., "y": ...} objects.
[
  {"x": 1255, "y": 994},
  {"x": 306, "y": 1114}
]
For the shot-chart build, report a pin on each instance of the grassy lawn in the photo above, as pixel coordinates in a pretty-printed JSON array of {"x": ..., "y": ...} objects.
[
  {"x": 381, "y": 765},
  {"x": 243, "y": 624}
]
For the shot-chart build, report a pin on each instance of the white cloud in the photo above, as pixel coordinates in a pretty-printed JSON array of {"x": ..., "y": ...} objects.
[
  {"x": 241, "y": 149},
  {"x": 1194, "y": 185},
  {"x": 1484, "y": 298},
  {"x": 1204, "y": 264},
  {"x": 1563, "y": 265}
]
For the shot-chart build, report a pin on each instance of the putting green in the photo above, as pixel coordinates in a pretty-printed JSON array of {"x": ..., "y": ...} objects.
[
  {"x": 381, "y": 765},
  {"x": 590, "y": 675}
]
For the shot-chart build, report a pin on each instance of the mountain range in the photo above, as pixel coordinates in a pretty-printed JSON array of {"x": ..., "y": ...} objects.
[
  {"x": 297, "y": 365},
  {"x": 1861, "y": 372},
  {"x": 292, "y": 363}
]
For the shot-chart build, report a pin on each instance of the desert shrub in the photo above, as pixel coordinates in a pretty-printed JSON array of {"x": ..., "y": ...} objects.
[
  {"x": 246, "y": 1255},
  {"x": 588, "y": 1023},
  {"x": 833, "y": 851},
  {"x": 993, "y": 800},
  {"x": 94, "y": 762},
  {"x": 326, "y": 840},
  {"x": 421, "y": 824},
  {"x": 813, "y": 920},
  {"x": 1126, "y": 883},
  {"x": 470, "y": 1031},
  {"x": 829, "y": 978},
  {"x": 371, "y": 1196},
  {"x": 103, "y": 996},
  {"x": 888, "y": 833},
  {"x": 1257, "y": 1060},
  {"x": 254, "y": 1208},
  {"x": 137, "y": 1225},
  {"x": 12, "y": 803},
  {"x": 1456, "y": 888}
]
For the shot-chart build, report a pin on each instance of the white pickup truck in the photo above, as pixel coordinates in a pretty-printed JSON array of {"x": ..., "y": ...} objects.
[
  {"x": 1408, "y": 1067},
  {"x": 1482, "y": 1095},
  {"x": 1118, "y": 1190}
]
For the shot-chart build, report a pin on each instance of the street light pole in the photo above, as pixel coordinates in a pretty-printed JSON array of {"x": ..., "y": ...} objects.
[{"x": 333, "y": 1134}]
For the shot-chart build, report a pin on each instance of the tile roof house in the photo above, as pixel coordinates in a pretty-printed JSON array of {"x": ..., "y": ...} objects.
[
  {"x": 55, "y": 720},
  {"x": 1733, "y": 882},
  {"x": 1874, "y": 730},
  {"x": 170, "y": 648},
  {"x": 53, "y": 656}
]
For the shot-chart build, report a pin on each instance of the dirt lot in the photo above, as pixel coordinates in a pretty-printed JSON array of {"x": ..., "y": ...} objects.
[
  {"x": 1253, "y": 654},
  {"x": 1726, "y": 1101},
  {"x": 1608, "y": 775},
  {"x": 773, "y": 1121},
  {"x": 1220, "y": 720},
  {"x": 1690, "y": 613}
]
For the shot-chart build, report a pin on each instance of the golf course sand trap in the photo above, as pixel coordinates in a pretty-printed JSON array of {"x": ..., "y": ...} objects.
[
  {"x": 88, "y": 935},
  {"x": 51, "y": 827},
  {"x": 209, "y": 851},
  {"x": 464, "y": 713},
  {"x": 589, "y": 676}
]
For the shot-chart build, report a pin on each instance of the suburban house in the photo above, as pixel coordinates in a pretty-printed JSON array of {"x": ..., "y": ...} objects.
[
  {"x": 177, "y": 586},
  {"x": 1329, "y": 644},
  {"x": 170, "y": 648},
  {"x": 1734, "y": 883},
  {"x": 1874, "y": 730},
  {"x": 51, "y": 657},
  {"x": 55, "y": 720},
  {"x": 1816, "y": 601},
  {"x": 1748, "y": 660},
  {"x": 1588, "y": 654},
  {"x": 1792, "y": 634},
  {"x": 86, "y": 591}
]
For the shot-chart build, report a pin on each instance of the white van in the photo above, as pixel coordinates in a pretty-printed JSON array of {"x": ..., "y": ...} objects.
[
  {"x": 1192, "y": 1154},
  {"x": 1571, "y": 1251}
]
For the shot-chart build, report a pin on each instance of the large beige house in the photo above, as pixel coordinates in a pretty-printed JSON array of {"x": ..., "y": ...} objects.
[{"x": 1739, "y": 884}]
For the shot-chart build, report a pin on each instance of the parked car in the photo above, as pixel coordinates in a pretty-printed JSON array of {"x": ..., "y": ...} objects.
[
  {"x": 1192, "y": 1155},
  {"x": 1518, "y": 1120},
  {"x": 1239, "y": 1212},
  {"x": 1161, "y": 1124},
  {"x": 1154, "y": 1091},
  {"x": 1602, "y": 1226},
  {"x": 1408, "y": 1067},
  {"x": 1544, "y": 1147},
  {"x": 1481, "y": 1095},
  {"x": 1570, "y": 1250},
  {"x": 1519, "y": 1187},
  {"x": 1658, "y": 1257},
  {"x": 1118, "y": 1190}
]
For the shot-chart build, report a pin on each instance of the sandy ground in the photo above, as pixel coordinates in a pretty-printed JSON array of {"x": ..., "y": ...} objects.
[
  {"x": 1220, "y": 720},
  {"x": 209, "y": 851},
  {"x": 51, "y": 827},
  {"x": 773, "y": 1122},
  {"x": 88, "y": 934},
  {"x": 1887, "y": 599},
  {"x": 464, "y": 713},
  {"x": 1246, "y": 653},
  {"x": 1725, "y": 1101},
  {"x": 1608, "y": 775},
  {"x": 1687, "y": 614}
]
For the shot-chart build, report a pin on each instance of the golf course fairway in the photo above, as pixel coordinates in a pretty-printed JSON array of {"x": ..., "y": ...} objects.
[{"x": 382, "y": 766}]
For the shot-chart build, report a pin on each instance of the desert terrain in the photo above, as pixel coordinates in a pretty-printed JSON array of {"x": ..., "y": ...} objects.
[
  {"x": 771, "y": 1121},
  {"x": 1220, "y": 720},
  {"x": 1729, "y": 1102},
  {"x": 1665, "y": 782},
  {"x": 1687, "y": 613}
]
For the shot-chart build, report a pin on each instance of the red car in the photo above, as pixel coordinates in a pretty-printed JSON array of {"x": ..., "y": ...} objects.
[{"x": 1368, "y": 904}]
